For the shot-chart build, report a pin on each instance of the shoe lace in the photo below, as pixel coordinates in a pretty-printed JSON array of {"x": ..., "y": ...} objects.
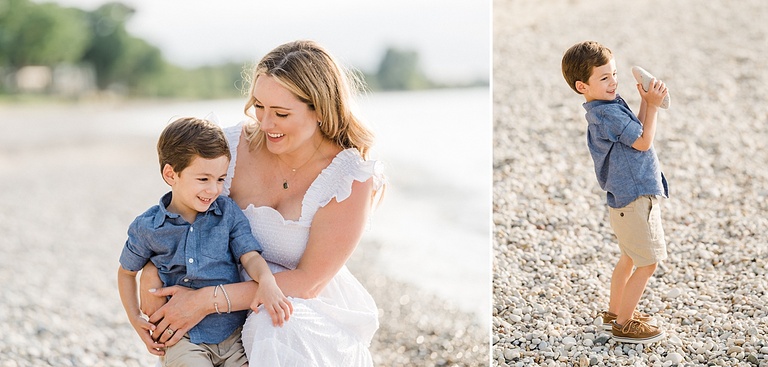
[
  {"x": 637, "y": 326},
  {"x": 637, "y": 314}
]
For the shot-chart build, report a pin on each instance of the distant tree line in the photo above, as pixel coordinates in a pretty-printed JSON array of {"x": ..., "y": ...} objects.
[{"x": 97, "y": 44}]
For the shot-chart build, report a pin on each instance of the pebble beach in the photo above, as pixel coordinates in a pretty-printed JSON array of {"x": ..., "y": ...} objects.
[
  {"x": 553, "y": 247},
  {"x": 71, "y": 185}
]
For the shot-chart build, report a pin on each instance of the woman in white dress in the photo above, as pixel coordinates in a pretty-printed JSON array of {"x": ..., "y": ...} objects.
[{"x": 300, "y": 173}]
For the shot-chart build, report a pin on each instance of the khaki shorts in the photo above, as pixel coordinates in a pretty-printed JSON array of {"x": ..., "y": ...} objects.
[
  {"x": 638, "y": 229},
  {"x": 228, "y": 353}
]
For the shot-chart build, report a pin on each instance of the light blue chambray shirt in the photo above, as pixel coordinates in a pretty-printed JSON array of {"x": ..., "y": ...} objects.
[
  {"x": 625, "y": 173},
  {"x": 206, "y": 253}
]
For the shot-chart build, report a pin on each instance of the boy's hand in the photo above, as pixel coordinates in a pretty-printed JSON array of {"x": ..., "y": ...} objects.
[
  {"x": 144, "y": 328},
  {"x": 274, "y": 301},
  {"x": 657, "y": 90}
]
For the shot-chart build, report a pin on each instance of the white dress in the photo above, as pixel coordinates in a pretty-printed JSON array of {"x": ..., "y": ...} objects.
[{"x": 336, "y": 328}]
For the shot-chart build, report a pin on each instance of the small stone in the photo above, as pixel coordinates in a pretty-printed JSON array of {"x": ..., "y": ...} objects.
[
  {"x": 602, "y": 339},
  {"x": 598, "y": 321},
  {"x": 674, "y": 340},
  {"x": 734, "y": 349},
  {"x": 569, "y": 342},
  {"x": 674, "y": 357},
  {"x": 673, "y": 293},
  {"x": 511, "y": 354}
]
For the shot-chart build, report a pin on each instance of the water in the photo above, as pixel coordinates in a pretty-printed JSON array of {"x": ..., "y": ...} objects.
[
  {"x": 434, "y": 225},
  {"x": 435, "y": 221}
]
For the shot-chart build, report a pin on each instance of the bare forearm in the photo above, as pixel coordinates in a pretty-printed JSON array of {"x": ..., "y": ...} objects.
[
  {"x": 126, "y": 285},
  {"x": 645, "y": 141},
  {"x": 240, "y": 296},
  {"x": 300, "y": 284},
  {"x": 255, "y": 266},
  {"x": 643, "y": 110}
]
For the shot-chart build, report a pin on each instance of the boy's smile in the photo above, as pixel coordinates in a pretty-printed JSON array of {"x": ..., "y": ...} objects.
[
  {"x": 197, "y": 186},
  {"x": 602, "y": 84}
]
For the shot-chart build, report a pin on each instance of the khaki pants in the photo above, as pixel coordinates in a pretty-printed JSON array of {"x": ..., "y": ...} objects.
[
  {"x": 228, "y": 353},
  {"x": 638, "y": 229}
]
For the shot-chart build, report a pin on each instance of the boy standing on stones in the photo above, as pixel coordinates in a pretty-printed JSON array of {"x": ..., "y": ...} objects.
[{"x": 627, "y": 168}]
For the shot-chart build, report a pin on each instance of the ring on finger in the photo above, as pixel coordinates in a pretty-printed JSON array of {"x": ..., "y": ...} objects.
[{"x": 170, "y": 331}]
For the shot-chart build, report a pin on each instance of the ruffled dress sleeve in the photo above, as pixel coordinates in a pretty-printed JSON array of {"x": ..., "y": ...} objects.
[
  {"x": 232, "y": 133},
  {"x": 335, "y": 181}
]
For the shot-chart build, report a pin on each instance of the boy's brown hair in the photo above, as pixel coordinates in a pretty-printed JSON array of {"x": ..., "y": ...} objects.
[
  {"x": 579, "y": 61},
  {"x": 184, "y": 139}
]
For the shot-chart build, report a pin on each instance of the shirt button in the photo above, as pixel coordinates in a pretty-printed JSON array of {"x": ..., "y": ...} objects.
[
  {"x": 191, "y": 229},
  {"x": 191, "y": 260},
  {"x": 186, "y": 280}
]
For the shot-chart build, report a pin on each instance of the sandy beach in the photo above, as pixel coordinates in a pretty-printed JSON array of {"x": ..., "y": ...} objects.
[
  {"x": 554, "y": 249},
  {"x": 70, "y": 187}
]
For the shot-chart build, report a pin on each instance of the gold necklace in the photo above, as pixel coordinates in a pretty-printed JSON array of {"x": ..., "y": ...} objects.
[{"x": 285, "y": 180}]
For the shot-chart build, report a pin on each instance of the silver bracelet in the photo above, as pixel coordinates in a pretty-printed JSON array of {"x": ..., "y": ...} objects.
[
  {"x": 229, "y": 304},
  {"x": 216, "y": 305}
]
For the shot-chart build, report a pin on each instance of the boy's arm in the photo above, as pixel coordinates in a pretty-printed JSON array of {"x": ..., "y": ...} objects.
[
  {"x": 150, "y": 279},
  {"x": 643, "y": 109},
  {"x": 649, "y": 107},
  {"x": 256, "y": 266},
  {"x": 268, "y": 293},
  {"x": 126, "y": 285}
]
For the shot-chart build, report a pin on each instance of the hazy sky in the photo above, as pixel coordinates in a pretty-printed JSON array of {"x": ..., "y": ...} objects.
[{"x": 453, "y": 38}]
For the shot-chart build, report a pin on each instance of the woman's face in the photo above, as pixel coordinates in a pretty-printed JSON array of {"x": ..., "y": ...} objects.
[{"x": 288, "y": 122}]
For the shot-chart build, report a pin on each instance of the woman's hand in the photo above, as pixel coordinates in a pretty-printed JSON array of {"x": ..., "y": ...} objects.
[{"x": 184, "y": 310}]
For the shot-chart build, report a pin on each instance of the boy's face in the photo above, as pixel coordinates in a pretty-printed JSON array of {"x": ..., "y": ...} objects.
[
  {"x": 197, "y": 186},
  {"x": 602, "y": 84}
]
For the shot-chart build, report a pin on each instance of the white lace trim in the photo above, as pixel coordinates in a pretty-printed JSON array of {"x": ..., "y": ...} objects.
[
  {"x": 335, "y": 181},
  {"x": 232, "y": 133}
]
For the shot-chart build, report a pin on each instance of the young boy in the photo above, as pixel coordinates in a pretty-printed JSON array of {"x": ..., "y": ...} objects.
[
  {"x": 621, "y": 145},
  {"x": 196, "y": 238}
]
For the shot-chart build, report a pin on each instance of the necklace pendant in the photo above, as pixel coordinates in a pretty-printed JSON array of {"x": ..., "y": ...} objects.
[{"x": 285, "y": 184}]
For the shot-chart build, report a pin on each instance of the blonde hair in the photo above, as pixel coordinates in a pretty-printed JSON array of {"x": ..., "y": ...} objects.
[{"x": 317, "y": 79}]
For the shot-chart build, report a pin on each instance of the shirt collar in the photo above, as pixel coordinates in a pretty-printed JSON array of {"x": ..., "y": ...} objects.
[
  {"x": 163, "y": 213},
  {"x": 599, "y": 102}
]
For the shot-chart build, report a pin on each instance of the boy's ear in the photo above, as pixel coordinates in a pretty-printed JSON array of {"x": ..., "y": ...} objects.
[
  {"x": 169, "y": 175},
  {"x": 581, "y": 87}
]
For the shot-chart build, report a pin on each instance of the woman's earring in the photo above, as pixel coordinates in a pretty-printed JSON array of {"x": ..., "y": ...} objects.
[{"x": 320, "y": 123}]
